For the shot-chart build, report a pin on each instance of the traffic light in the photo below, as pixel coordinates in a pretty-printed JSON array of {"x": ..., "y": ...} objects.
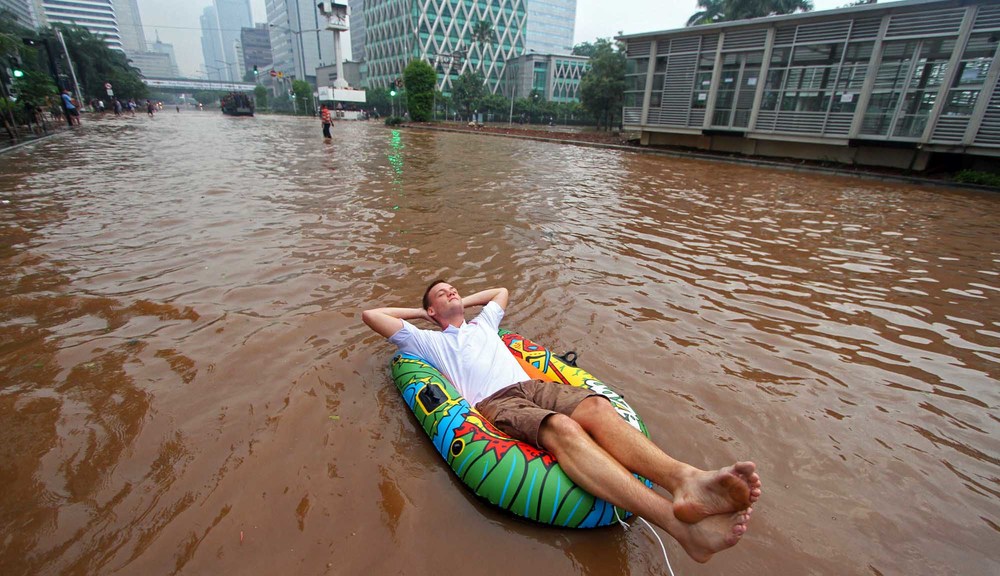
[
  {"x": 392, "y": 92},
  {"x": 17, "y": 70},
  {"x": 255, "y": 70}
]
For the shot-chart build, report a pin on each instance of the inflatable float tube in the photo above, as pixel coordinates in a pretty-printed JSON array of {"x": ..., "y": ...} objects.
[{"x": 510, "y": 474}]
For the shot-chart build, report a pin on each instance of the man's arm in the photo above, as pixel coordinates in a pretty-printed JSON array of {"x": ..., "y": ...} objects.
[
  {"x": 498, "y": 295},
  {"x": 388, "y": 321}
]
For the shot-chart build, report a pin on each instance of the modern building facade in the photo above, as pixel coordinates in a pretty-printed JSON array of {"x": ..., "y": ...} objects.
[
  {"x": 154, "y": 64},
  {"x": 358, "y": 35},
  {"x": 554, "y": 77},
  {"x": 885, "y": 84},
  {"x": 256, "y": 44},
  {"x": 326, "y": 76},
  {"x": 130, "y": 26},
  {"x": 97, "y": 16},
  {"x": 158, "y": 48},
  {"x": 24, "y": 12},
  {"x": 211, "y": 45},
  {"x": 441, "y": 32},
  {"x": 300, "y": 42},
  {"x": 550, "y": 26},
  {"x": 233, "y": 16}
]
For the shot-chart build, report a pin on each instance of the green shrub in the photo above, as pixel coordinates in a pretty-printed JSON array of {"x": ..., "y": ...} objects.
[
  {"x": 977, "y": 177},
  {"x": 420, "y": 79},
  {"x": 393, "y": 121}
]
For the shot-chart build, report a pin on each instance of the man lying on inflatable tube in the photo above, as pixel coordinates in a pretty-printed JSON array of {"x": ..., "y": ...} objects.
[{"x": 709, "y": 510}]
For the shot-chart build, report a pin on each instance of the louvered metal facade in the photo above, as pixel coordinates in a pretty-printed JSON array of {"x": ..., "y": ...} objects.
[
  {"x": 441, "y": 33},
  {"x": 919, "y": 75}
]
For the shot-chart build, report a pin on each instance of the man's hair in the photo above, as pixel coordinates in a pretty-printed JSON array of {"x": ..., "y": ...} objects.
[{"x": 427, "y": 293}]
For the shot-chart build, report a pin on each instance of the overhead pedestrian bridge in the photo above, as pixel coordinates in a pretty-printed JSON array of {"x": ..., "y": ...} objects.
[{"x": 195, "y": 84}]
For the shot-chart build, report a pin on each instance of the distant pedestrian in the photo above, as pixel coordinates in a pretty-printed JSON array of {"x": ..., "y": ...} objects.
[
  {"x": 70, "y": 109},
  {"x": 178, "y": 109},
  {"x": 324, "y": 115},
  {"x": 118, "y": 107},
  {"x": 150, "y": 108}
]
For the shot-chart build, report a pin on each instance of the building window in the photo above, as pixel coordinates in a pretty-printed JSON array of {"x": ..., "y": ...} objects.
[
  {"x": 971, "y": 75},
  {"x": 635, "y": 81}
]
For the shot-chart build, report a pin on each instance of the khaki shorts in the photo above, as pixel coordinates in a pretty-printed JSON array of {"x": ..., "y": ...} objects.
[{"x": 519, "y": 409}]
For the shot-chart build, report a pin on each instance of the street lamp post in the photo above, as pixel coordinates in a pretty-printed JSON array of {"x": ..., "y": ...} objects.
[
  {"x": 228, "y": 67},
  {"x": 513, "y": 91}
]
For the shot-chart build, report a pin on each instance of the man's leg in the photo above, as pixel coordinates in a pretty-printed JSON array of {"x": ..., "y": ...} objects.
[
  {"x": 697, "y": 493},
  {"x": 599, "y": 473}
]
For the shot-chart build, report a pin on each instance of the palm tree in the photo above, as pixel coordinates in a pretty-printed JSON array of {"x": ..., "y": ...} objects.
[
  {"x": 483, "y": 33},
  {"x": 744, "y": 9},
  {"x": 726, "y": 10},
  {"x": 711, "y": 11}
]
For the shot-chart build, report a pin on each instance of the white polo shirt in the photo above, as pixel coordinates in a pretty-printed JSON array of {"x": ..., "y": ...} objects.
[{"x": 472, "y": 357}]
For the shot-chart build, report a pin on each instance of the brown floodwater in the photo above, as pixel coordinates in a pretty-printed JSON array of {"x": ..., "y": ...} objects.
[{"x": 186, "y": 386}]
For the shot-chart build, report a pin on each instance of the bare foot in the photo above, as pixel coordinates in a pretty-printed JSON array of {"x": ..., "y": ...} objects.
[
  {"x": 726, "y": 490},
  {"x": 713, "y": 534}
]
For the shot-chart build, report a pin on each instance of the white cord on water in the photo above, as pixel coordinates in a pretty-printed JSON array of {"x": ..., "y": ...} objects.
[
  {"x": 662, "y": 547},
  {"x": 658, "y": 539}
]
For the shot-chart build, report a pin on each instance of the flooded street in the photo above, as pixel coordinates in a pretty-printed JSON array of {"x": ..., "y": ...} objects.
[{"x": 186, "y": 386}]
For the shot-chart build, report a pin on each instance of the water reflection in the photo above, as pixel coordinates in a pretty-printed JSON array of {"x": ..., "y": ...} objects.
[{"x": 187, "y": 383}]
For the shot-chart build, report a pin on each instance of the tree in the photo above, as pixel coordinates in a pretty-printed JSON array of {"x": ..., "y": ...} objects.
[
  {"x": 711, "y": 11},
  {"x": 495, "y": 104},
  {"x": 727, "y": 10},
  {"x": 602, "y": 88},
  {"x": 260, "y": 97},
  {"x": 303, "y": 95},
  {"x": 379, "y": 100},
  {"x": 584, "y": 49},
  {"x": 745, "y": 9},
  {"x": 35, "y": 87},
  {"x": 207, "y": 97},
  {"x": 483, "y": 33},
  {"x": 467, "y": 91},
  {"x": 9, "y": 47},
  {"x": 95, "y": 64},
  {"x": 420, "y": 80},
  {"x": 483, "y": 36}
]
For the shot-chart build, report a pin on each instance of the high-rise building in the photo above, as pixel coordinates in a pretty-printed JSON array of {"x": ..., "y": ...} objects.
[
  {"x": 211, "y": 45},
  {"x": 97, "y": 16},
  {"x": 130, "y": 26},
  {"x": 550, "y": 26},
  {"x": 24, "y": 12},
  {"x": 357, "y": 20},
  {"x": 256, "y": 43},
  {"x": 443, "y": 33},
  {"x": 233, "y": 16},
  {"x": 154, "y": 64},
  {"x": 168, "y": 49},
  {"x": 300, "y": 42}
]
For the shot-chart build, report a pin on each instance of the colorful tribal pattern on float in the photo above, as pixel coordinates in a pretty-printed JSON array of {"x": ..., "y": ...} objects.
[{"x": 508, "y": 473}]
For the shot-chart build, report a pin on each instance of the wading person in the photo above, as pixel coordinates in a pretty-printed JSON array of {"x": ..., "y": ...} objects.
[
  {"x": 70, "y": 109},
  {"x": 709, "y": 510},
  {"x": 324, "y": 116}
]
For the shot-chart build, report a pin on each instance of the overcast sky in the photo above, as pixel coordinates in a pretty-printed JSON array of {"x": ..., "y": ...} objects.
[{"x": 177, "y": 22}]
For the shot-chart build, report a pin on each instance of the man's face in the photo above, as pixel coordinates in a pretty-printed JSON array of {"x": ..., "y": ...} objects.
[{"x": 443, "y": 297}]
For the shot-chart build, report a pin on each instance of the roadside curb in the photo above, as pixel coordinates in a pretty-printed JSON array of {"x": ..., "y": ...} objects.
[
  {"x": 13, "y": 147},
  {"x": 728, "y": 160}
]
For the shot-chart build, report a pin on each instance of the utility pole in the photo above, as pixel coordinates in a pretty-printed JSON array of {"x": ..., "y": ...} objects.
[{"x": 72, "y": 72}]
